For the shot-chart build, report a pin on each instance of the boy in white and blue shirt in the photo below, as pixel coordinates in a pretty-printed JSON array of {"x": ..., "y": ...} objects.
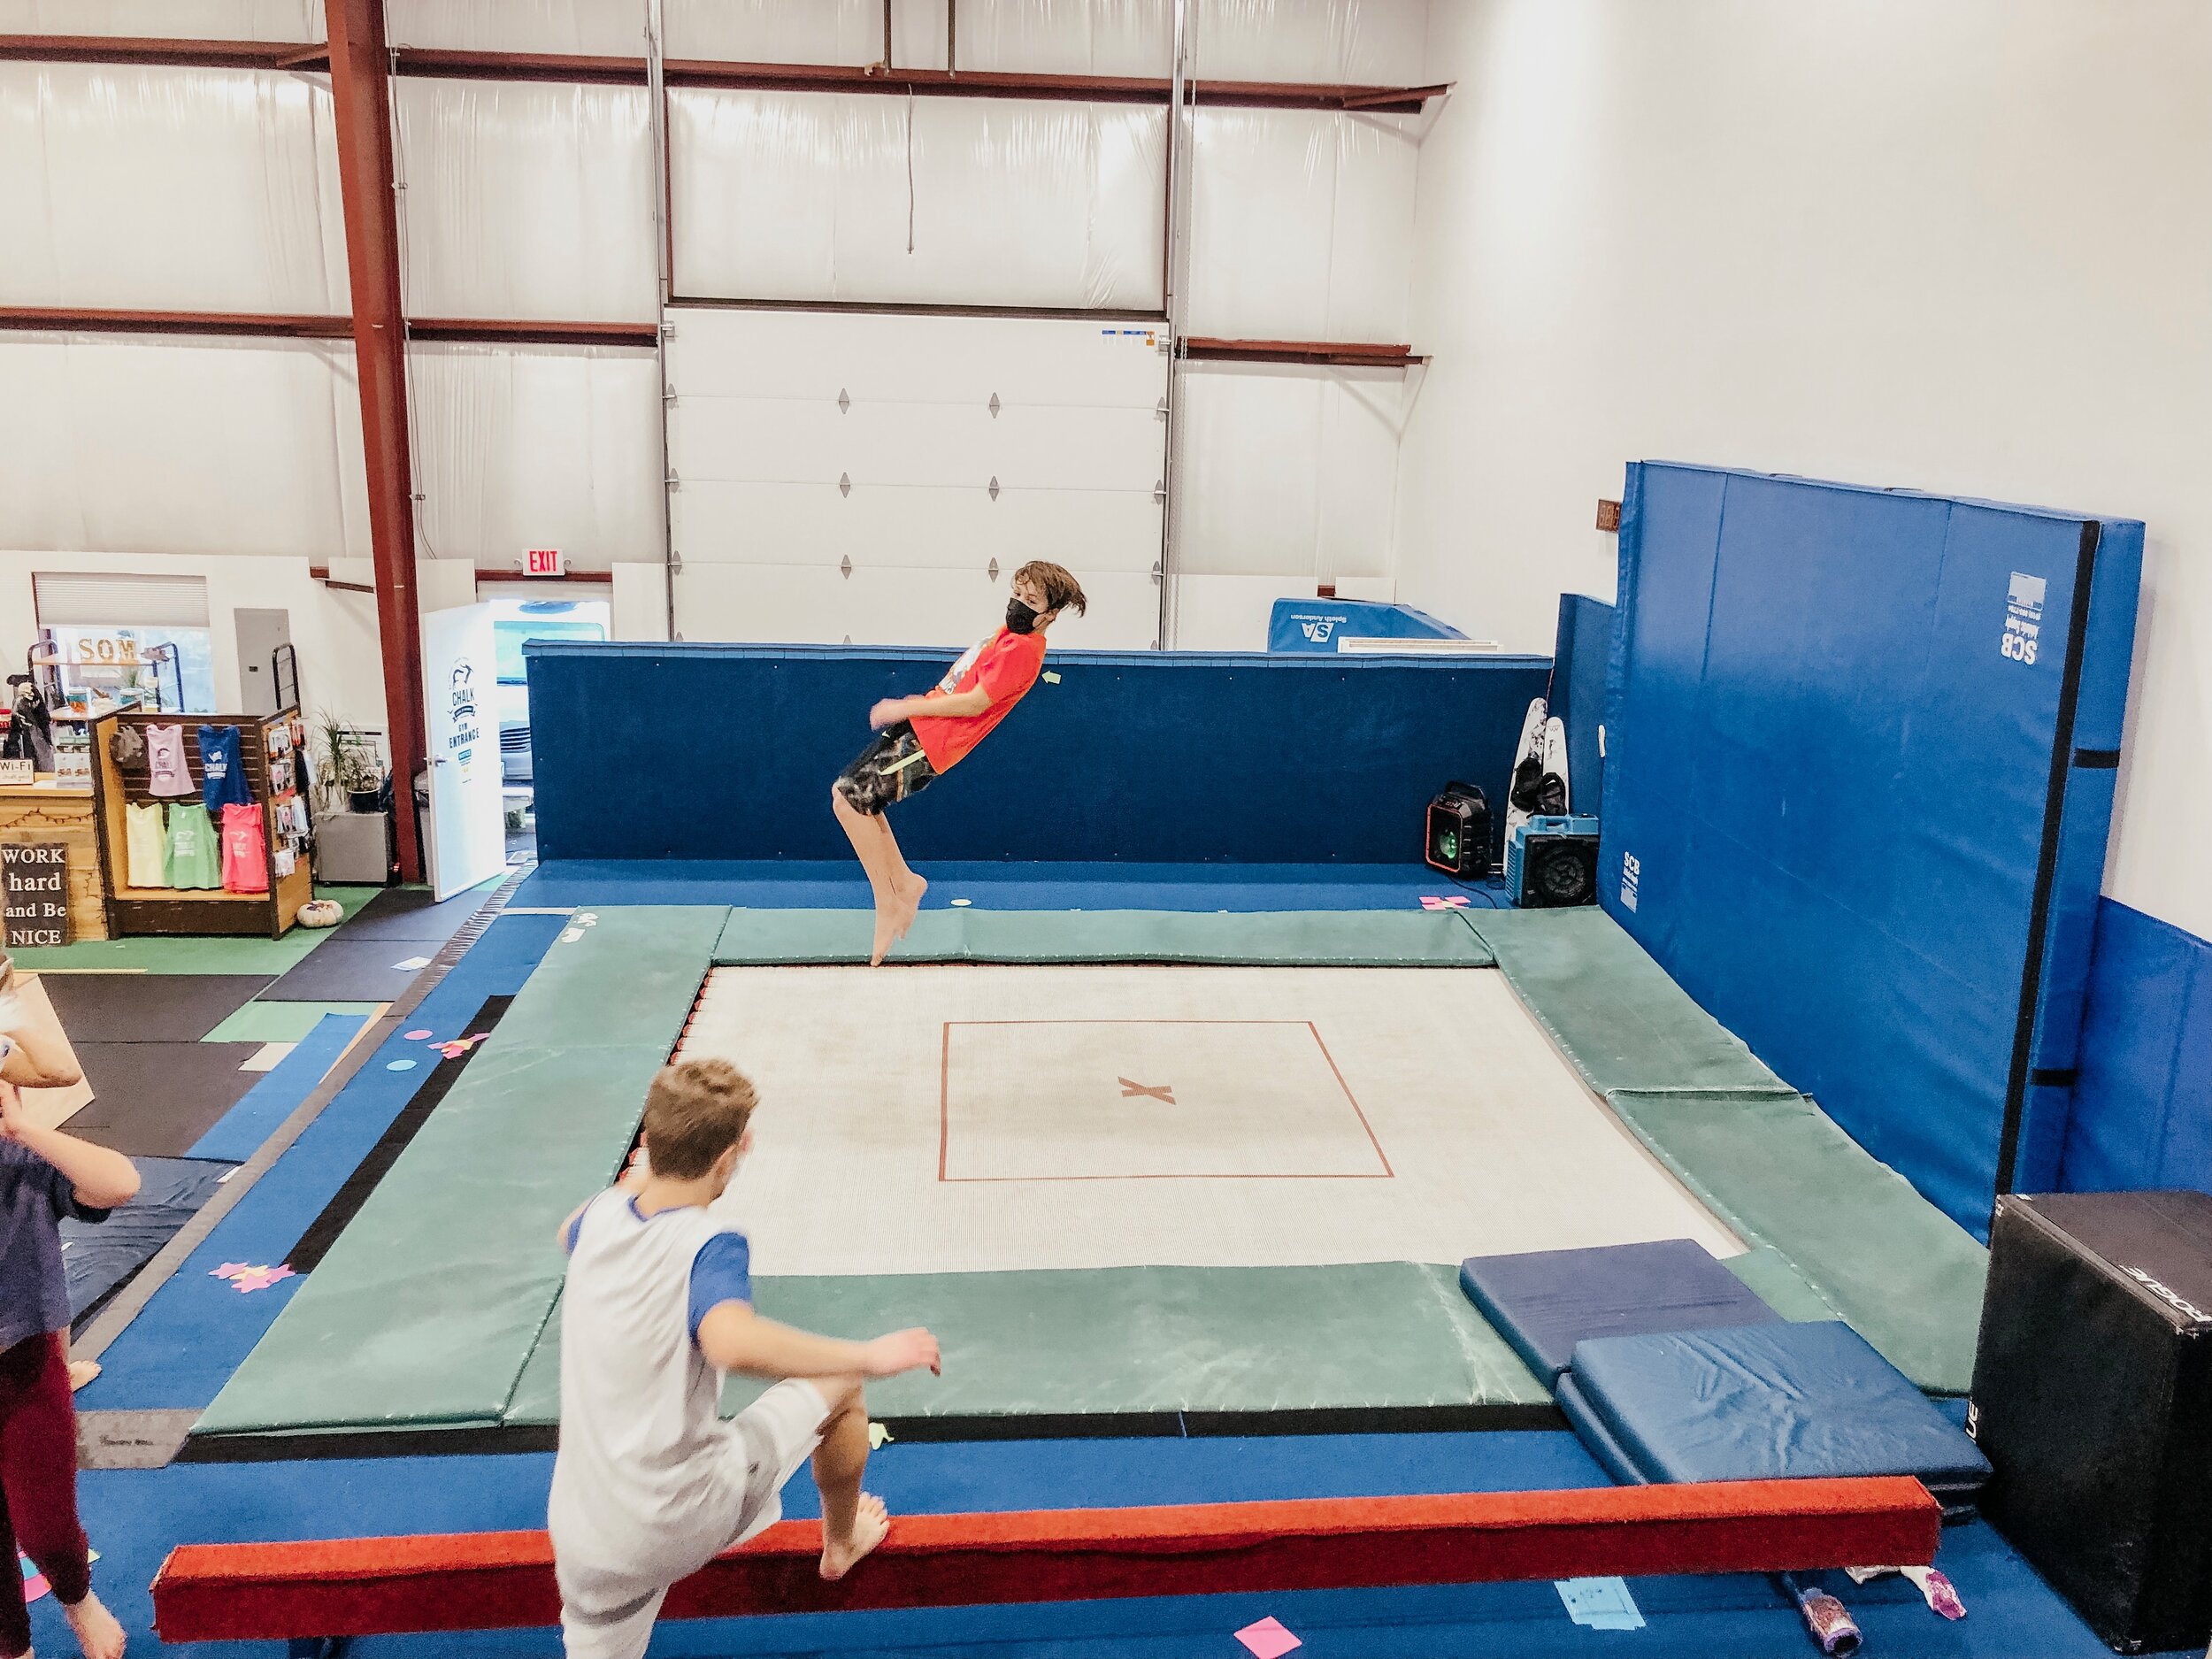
[{"x": 650, "y": 1484}]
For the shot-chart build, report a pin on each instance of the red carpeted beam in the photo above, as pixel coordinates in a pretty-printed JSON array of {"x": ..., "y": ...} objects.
[{"x": 504, "y": 1580}]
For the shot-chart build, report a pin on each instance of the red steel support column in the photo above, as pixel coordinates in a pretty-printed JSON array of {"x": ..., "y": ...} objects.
[{"x": 361, "y": 89}]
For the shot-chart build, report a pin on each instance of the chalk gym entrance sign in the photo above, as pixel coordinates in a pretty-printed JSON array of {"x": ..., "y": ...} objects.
[{"x": 36, "y": 883}]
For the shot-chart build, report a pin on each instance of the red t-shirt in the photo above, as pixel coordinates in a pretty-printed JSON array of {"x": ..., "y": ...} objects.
[{"x": 1003, "y": 666}]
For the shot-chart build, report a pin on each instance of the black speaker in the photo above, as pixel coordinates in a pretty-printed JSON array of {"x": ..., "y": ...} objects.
[
  {"x": 1458, "y": 837},
  {"x": 2092, "y": 1400}
]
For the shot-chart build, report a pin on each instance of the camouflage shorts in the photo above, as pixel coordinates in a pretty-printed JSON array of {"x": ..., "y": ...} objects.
[{"x": 891, "y": 768}]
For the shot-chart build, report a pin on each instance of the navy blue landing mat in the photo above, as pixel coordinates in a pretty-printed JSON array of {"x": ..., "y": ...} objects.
[
  {"x": 146, "y": 1007},
  {"x": 1769, "y": 1402},
  {"x": 97, "y": 1256},
  {"x": 157, "y": 1099},
  {"x": 1545, "y": 1301},
  {"x": 1860, "y": 752},
  {"x": 1149, "y": 757},
  {"x": 348, "y": 970}
]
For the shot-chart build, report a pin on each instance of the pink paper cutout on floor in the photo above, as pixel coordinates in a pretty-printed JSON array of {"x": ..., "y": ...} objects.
[
  {"x": 416, "y": 1036},
  {"x": 244, "y": 1279},
  {"x": 1448, "y": 902},
  {"x": 1267, "y": 1639}
]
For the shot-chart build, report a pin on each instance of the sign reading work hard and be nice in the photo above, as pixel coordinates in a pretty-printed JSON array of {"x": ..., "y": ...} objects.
[{"x": 36, "y": 883}]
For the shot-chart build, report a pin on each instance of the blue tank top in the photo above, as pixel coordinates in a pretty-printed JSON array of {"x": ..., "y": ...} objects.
[{"x": 222, "y": 771}]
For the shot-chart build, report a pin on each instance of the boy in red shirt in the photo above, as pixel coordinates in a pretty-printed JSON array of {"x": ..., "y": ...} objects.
[{"x": 917, "y": 738}]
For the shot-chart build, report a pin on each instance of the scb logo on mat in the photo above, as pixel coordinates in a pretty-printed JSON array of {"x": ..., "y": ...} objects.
[
  {"x": 2023, "y": 618},
  {"x": 1631, "y": 872},
  {"x": 1318, "y": 629}
]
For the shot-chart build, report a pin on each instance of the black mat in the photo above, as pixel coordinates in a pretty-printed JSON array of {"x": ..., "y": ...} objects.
[
  {"x": 346, "y": 969},
  {"x": 99, "y": 1257},
  {"x": 146, "y": 1007},
  {"x": 410, "y": 913},
  {"x": 156, "y": 1098}
]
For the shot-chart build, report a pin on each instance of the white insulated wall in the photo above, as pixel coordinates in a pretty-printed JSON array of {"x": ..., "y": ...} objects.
[
  {"x": 846, "y": 196},
  {"x": 1957, "y": 248}
]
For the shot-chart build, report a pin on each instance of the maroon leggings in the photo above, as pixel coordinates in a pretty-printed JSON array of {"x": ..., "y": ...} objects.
[{"x": 38, "y": 1482}]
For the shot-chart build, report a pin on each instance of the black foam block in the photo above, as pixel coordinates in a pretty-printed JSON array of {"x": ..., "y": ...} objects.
[{"x": 2092, "y": 1399}]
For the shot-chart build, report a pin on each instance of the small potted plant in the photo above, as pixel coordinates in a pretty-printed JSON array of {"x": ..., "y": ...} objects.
[{"x": 349, "y": 768}]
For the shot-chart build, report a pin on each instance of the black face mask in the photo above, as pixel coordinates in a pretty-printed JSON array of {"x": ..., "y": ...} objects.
[{"x": 1019, "y": 617}]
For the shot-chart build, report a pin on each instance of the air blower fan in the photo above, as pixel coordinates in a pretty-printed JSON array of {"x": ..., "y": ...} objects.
[{"x": 1552, "y": 863}]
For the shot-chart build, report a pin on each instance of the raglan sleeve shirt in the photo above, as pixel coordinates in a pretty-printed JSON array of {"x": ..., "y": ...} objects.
[{"x": 722, "y": 1271}]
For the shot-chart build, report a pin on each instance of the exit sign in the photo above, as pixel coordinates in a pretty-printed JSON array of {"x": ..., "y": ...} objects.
[{"x": 544, "y": 561}]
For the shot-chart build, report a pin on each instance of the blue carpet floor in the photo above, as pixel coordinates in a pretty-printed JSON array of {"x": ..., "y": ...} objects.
[{"x": 196, "y": 1330}]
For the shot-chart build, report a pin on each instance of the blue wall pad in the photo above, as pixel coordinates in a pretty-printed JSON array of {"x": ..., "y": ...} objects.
[
  {"x": 96, "y": 1256},
  {"x": 1859, "y": 777},
  {"x": 1173, "y": 758},
  {"x": 1770, "y": 1402},
  {"x": 1545, "y": 1301},
  {"x": 1579, "y": 665},
  {"x": 2143, "y": 1109},
  {"x": 1313, "y": 626}
]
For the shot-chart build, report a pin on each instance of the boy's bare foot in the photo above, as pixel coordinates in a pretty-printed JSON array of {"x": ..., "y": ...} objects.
[
  {"x": 910, "y": 901},
  {"x": 886, "y": 932},
  {"x": 97, "y": 1632},
  {"x": 82, "y": 1371},
  {"x": 870, "y": 1521}
]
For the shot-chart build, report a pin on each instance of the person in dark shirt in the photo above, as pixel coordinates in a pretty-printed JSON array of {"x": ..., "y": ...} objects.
[{"x": 45, "y": 1175}]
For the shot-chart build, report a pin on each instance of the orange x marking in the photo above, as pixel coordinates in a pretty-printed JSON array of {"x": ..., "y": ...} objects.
[{"x": 1164, "y": 1092}]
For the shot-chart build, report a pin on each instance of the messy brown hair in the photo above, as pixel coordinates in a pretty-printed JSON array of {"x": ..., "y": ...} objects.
[
  {"x": 695, "y": 1111},
  {"x": 1062, "y": 592}
]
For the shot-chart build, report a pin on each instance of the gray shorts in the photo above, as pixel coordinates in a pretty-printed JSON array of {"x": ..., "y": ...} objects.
[{"x": 609, "y": 1614}]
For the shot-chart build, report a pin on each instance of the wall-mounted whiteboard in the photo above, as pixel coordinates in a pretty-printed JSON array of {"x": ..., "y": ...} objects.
[{"x": 832, "y": 474}]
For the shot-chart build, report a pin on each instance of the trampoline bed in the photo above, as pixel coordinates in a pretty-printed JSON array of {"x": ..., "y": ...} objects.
[{"x": 1225, "y": 1192}]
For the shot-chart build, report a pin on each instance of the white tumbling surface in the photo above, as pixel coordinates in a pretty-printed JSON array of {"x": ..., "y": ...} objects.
[{"x": 968, "y": 1119}]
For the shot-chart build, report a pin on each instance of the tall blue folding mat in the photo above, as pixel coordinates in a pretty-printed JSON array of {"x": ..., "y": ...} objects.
[{"x": 1859, "y": 775}]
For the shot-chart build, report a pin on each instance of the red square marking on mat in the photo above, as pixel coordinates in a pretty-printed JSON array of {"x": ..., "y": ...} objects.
[{"x": 1088, "y": 1100}]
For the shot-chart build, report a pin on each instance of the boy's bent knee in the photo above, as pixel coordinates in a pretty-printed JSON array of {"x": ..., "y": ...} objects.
[{"x": 842, "y": 1394}]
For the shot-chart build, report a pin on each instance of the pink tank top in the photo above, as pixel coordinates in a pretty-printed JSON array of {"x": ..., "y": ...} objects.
[{"x": 165, "y": 761}]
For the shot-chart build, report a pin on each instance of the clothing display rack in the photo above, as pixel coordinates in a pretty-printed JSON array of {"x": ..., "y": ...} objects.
[{"x": 272, "y": 764}]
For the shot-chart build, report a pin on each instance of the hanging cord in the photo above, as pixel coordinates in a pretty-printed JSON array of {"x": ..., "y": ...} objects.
[
  {"x": 910, "y": 170},
  {"x": 400, "y": 235}
]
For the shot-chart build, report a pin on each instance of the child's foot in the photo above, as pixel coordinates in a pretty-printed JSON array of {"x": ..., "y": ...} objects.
[
  {"x": 886, "y": 932},
  {"x": 870, "y": 1521},
  {"x": 97, "y": 1632},
  {"x": 82, "y": 1371},
  {"x": 909, "y": 901}
]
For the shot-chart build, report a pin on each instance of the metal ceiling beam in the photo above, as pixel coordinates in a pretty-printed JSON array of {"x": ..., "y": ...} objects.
[
  {"x": 622, "y": 70},
  {"x": 122, "y": 322},
  {"x": 361, "y": 95},
  {"x": 180, "y": 54},
  {"x": 1348, "y": 354}
]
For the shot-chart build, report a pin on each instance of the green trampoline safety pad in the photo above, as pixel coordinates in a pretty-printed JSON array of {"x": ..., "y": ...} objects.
[
  {"x": 1778, "y": 1170},
  {"x": 1351, "y": 939},
  {"x": 1108, "y": 1342},
  {"x": 437, "y": 1308},
  {"x": 427, "y": 1306},
  {"x": 1613, "y": 1011}
]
